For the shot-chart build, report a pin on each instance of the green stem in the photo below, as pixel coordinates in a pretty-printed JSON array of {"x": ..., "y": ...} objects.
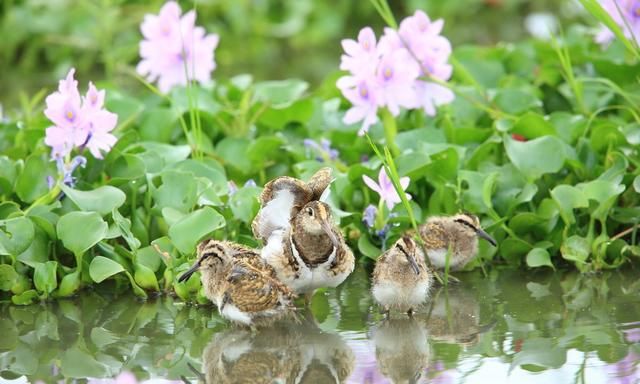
[
  {"x": 46, "y": 199},
  {"x": 390, "y": 131}
]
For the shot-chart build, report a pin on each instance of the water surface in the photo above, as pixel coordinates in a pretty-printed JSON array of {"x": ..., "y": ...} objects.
[{"x": 508, "y": 326}]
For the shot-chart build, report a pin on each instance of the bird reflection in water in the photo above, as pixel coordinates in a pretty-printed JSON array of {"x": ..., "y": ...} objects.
[
  {"x": 454, "y": 317},
  {"x": 402, "y": 349},
  {"x": 287, "y": 352}
]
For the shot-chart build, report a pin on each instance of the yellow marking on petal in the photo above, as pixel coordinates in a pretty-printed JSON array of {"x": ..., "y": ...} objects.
[
  {"x": 387, "y": 73},
  {"x": 69, "y": 115},
  {"x": 637, "y": 11},
  {"x": 364, "y": 92}
]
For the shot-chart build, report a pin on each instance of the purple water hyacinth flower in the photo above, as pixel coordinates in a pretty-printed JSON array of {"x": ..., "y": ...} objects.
[
  {"x": 78, "y": 122},
  {"x": 369, "y": 215},
  {"x": 384, "y": 187},
  {"x": 233, "y": 187},
  {"x": 174, "y": 49},
  {"x": 395, "y": 72},
  {"x": 250, "y": 183},
  {"x": 323, "y": 149},
  {"x": 365, "y": 101},
  {"x": 362, "y": 55},
  {"x": 626, "y": 14}
]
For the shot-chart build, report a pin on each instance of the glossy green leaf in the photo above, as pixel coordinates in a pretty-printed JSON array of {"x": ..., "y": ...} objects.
[
  {"x": 102, "y": 200},
  {"x": 102, "y": 268},
  {"x": 576, "y": 248},
  {"x": 15, "y": 235},
  {"x": 244, "y": 203},
  {"x": 279, "y": 94},
  {"x": 8, "y": 277},
  {"x": 32, "y": 180},
  {"x": 186, "y": 233},
  {"x": 69, "y": 284},
  {"x": 539, "y": 257},
  {"x": 44, "y": 277},
  {"x": 80, "y": 231},
  {"x": 537, "y": 157},
  {"x": 145, "y": 278}
]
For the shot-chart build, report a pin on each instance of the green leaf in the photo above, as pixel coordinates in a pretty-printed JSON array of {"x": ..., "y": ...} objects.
[
  {"x": 80, "y": 231},
  {"x": 44, "y": 277},
  {"x": 8, "y": 277},
  {"x": 186, "y": 233},
  {"x": 158, "y": 124},
  {"x": 532, "y": 125},
  {"x": 516, "y": 101},
  {"x": 32, "y": 181},
  {"x": 636, "y": 184},
  {"x": 279, "y": 94},
  {"x": 178, "y": 191},
  {"x": 102, "y": 268},
  {"x": 16, "y": 235},
  {"x": 69, "y": 284},
  {"x": 124, "y": 227},
  {"x": 575, "y": 248},
  {"x": 102, "y": 200},
  {"x": 7, "y": 175},
  {"x": 568, "y": 197},
  {"x": 539, "y": 257},
  {"x": 244, "y": 203},
  {"x": 126, "y": 167},
  {"x": 366, "y": 248},
  {"x": 537, "y": 157},
  {"x": 25, "y": 298},
  {"x": 145, "y": 278}
]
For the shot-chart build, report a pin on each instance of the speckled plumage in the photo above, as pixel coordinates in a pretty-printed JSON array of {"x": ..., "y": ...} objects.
[
  {"x": 283, "y": 197},
  {"x": 460, "y": 232},
  {"x": 401, "y": 279},
  {"x": 311, "y": 253},
  {"x": 243, "y": 286}
]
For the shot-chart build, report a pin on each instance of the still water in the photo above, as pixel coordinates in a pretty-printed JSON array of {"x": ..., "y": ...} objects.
[{"x": 504, "y": 327}]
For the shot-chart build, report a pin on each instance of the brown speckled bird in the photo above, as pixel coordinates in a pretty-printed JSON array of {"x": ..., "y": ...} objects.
[
  {"x": 460, "y": 232},
  {"x": 311, "y": 253},
  {"x": 282, "y": 198},
  {"x": 402, "y": 349},
  {"x": 243, "y": 286},
  {"x": 401, "y": 279}
]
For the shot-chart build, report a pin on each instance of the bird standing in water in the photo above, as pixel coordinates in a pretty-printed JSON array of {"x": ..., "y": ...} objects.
[
  {"x": 459, "y": 232},
  {"x": 301, "y": 242},
  {"x": 242, "y": 285},
  {"x": 401, "y": 279},
  {"x": 311, "y": 253}
]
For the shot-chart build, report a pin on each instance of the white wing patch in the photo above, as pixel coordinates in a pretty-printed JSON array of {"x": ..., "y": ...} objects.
[{"x": 276, "y": 213}]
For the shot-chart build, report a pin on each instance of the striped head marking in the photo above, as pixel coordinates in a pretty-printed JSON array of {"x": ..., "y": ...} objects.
[
  {"x": 471, "y": 225},
  {"x": 315, "y": 218},
  {"x": 211, "y": 255}
]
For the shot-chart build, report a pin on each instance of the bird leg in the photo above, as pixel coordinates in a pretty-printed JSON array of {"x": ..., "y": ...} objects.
[
  {"x": 410, "y": 312},
  {"x": 450, "y": 279}
]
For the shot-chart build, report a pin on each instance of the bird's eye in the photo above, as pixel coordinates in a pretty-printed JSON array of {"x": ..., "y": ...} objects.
[{"x": 310, "y": 212}]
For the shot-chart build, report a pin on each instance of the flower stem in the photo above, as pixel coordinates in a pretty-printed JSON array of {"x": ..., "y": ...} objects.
[
  {"x": 390, "y": 131},
  {"x": 46, "y": 199}
]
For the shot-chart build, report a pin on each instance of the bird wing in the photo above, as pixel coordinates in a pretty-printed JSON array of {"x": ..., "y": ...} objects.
[
  {"x": 281, "y": 199},
  {"x": 252, "y": 290},
  {"x": 319, "y": 182}
]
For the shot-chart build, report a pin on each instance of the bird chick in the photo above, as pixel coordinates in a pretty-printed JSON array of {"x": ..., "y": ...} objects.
[
  {"x": 242, "y": 285},
  {"x": 311, "y": 253},
  {"x": 401, "y": 279},
  {"x": 282, "y": 198},
  {"x": 460, "y": 232}
]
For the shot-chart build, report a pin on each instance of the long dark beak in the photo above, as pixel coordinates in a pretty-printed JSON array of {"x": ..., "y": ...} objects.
[
  {"x": 190, "y": 272},
  {"x": 327, "y": 228},
  {"x": 484, "y": 235},
  {"x": 410, "y": 259}
]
